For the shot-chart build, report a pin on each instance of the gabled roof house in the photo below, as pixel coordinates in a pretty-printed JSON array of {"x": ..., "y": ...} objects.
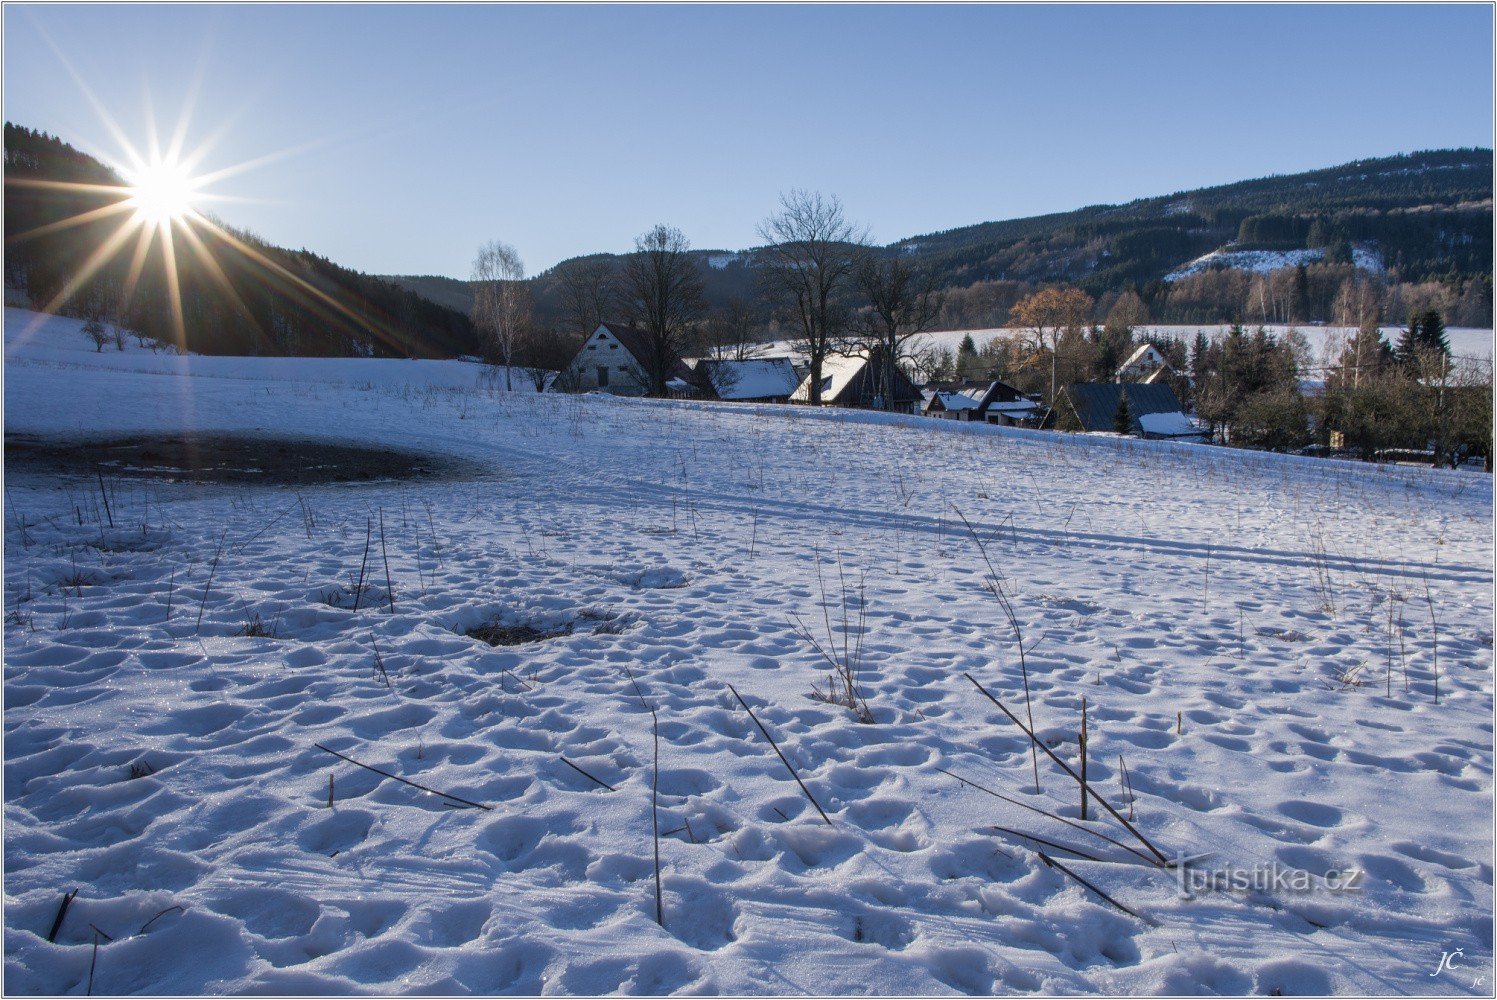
[
  {"x": 996, "y": 402},
  {"x": 855, "y": 381},
  {"x": 1143, "y": 365},
  {"x": 1153, "y": 408},
  {"x": 616, "y": 359},
  {"x": 751, "y": 380}
]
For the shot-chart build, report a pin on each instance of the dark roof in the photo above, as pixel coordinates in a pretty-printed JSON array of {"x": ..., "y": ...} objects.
[
  {"x": 637, "y": 343},
  {"x": 1001, "y": 392},
  {"x": 1096, "y": 403}
]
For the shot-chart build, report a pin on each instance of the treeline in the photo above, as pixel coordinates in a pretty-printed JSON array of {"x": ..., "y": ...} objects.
[
  {"x": 1338, "y": 294},
  {"x": 73, "y": 246},
  {"x": 1252, "y": 388}
]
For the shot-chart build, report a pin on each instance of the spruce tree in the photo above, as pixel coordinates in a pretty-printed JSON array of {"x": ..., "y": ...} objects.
[
  {"x": 966, "y": 358},
  {"x": 1408, "y": 343},
  {"x": 1431, "y": 334},
  {"x": 1122, "y": 418}
]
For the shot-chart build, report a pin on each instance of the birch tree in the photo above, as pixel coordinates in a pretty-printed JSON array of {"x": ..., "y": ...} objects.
[{"x": 501, "y": 302}]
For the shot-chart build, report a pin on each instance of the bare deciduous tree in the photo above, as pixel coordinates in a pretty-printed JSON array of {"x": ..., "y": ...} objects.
[
  {"x": 545, "y": 351},
  {"x": 809, "y": 262},
  {"x": 728, "y": 333},
  {"x": 501, "y": 302},
  {"x": 663, "y": 288},
  {"x": 903, "y": 302},
  {"x": 588, "y": 289}
]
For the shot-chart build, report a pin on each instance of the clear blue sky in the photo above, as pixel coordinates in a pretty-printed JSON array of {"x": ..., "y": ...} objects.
[{"x": 416, "y": 133}]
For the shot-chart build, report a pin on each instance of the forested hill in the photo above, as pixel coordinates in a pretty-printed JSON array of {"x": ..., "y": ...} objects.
[
  {"x": 1427, "y": 215},
  {"x": 1420, "y": 224},
  {"x": 238, "y": 294}
]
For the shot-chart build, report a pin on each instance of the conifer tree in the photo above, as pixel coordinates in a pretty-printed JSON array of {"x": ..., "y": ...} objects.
[{"x": 1122, "y": 418}]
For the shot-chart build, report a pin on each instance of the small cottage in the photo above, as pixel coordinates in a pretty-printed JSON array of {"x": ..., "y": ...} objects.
[
  {"x": 995, "y": 402},
  {"x": 855, "y": 381},
  {"x": 1153, "y": 409},
  {"x": 1143, "y": 365},
  {"x": 615, "y": 359},
  {"x": 752, "y": 380}
]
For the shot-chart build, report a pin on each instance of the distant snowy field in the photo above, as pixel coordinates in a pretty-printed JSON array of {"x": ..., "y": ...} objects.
[
  {"x": 1252, "y": 635},
  {"x": 1265, "y": 261}
]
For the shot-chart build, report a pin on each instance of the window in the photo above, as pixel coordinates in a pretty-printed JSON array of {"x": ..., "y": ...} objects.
[{"x": 602, "y": 376}]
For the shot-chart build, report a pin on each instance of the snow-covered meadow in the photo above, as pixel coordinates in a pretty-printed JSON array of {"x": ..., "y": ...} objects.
[{"x": 1260, "y": 640}]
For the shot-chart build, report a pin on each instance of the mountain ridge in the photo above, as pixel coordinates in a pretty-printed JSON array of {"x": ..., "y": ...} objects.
[{"x": 1426, "y": 215}]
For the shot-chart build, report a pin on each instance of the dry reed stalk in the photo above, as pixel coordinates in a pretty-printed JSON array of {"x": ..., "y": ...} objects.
[
  {"x": 1035, "y": 741},
  {"x": 781, "y": 755}
]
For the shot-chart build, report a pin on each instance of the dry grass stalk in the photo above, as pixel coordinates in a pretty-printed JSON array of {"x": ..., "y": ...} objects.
[
  {"x": 1066, "y": 871},
  {"x": 996, "y": 588},
  {"x": 1035, "y": 741},
  {"x": 358, "y": 589},
  {"x": 842, "y": 686},
  {"x": 1434, "y": 638},
  {"x": 62, "y": 911},
  {"x": 389, "y": 585},
  {"x": 465, "y": 802},
  {"x": 593, "y": 778},
  {"x": 783, "y": 760},
  {"x": 1043, "y": 812},
  {"x": 213, "y": 568},
  {"x": 655, "y": 818}
]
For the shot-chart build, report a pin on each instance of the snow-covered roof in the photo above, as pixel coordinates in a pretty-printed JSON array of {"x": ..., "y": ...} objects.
[
  {"x": 754, "y": 378},
  {"x": 1174, "y": 424},
  {"x": 837, "y": 373},
  {"x": 1145, "y": 352},
  {"x": 957, "y": 400},
  {"x": 1017, "y": 406}
]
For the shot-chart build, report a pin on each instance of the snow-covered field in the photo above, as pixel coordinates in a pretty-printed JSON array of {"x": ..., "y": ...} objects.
[
  {"x": 1252, "y": 636},
  {"x": 1265, "y": 261}
]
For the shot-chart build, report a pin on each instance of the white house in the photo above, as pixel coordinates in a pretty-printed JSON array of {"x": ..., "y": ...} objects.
[
  {"x": 854, "y": 381},
  {"x": 1142, "y": 364},
  {"x": 614, "y": 359}
]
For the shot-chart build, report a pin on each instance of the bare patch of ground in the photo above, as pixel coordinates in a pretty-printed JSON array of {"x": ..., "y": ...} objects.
[{"x": 227, "y": 458}]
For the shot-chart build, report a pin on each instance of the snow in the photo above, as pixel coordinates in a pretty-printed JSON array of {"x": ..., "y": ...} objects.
[
  {"x": 1264, "y": 261},
  {"x": 1167, "y": 424},
  {"x": 837, "y": 372},
  {"x": 1238, "y": 623},
  {"x": 958, "y": 400},
  {"x": 757, "y": 378}
]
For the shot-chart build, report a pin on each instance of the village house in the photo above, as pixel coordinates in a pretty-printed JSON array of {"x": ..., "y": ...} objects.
[
  {"x": 751, "y": 380},
  {"x": 615, "y": 360},
  {"x": 855, "y": 381},
  {"x": 994, "y": 402},
  {"x": 1153, "y": 409},
  {"x": 1144, "y": 365}
]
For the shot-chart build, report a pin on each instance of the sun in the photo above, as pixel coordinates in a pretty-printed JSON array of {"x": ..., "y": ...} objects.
[{"x": 162, "y": 192}]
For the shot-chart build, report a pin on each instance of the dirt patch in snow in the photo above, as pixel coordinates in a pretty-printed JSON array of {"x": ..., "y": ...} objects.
[{"x": 227, "y": 458}]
